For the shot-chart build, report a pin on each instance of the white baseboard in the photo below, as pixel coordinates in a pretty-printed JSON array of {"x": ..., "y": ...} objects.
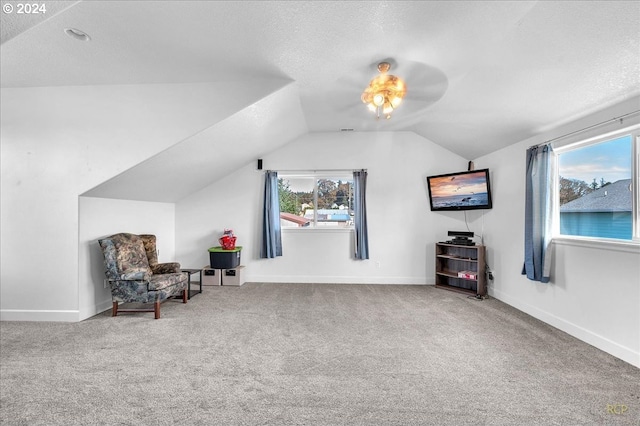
[
  {"x": 314, "y": 279},
  {"x": 624, "y": 353},
  {"x": 93, "y": 310},
  {"x": 44, "y": 315}
]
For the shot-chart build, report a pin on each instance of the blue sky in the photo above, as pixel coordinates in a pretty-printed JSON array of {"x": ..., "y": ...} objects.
[
  {"x": 463, "y": 184},
  {"x": 609, "y": 160}
]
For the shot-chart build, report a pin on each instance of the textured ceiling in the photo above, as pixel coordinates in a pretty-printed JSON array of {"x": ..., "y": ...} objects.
[{"x": 480, "y": 75}]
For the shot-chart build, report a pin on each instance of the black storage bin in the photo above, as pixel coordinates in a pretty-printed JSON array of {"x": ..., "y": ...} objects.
[{"x": 224, "y": 259}]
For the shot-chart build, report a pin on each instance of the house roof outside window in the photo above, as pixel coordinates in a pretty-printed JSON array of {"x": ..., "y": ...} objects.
[
  {"x": 298, "y": 220},
  {"x": 615, "y": 197}
]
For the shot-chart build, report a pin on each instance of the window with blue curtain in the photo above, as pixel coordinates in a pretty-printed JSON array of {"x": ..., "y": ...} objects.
[
  {"x": 271, "y": 233},
  {"x": 360, "y": 215},
  {"x": 314, "y": 200},
  {"x": 539, "y": 212}
]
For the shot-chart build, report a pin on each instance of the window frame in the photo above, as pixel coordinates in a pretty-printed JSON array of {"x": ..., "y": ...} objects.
[
  {"x": 344, "y": 174},
  {"x": 633, "y": 244}
]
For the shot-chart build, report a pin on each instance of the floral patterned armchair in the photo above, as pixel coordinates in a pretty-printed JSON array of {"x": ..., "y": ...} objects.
[{"x": 132, "y": 269}]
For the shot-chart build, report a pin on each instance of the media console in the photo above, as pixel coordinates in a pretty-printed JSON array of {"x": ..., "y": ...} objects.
[{"x": 461, "y": 268}]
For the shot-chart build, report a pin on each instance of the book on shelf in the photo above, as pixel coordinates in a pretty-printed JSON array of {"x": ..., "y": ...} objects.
[{"x": 468, "y": 275}]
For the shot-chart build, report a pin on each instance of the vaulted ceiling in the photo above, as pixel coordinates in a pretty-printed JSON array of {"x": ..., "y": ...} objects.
[{"x": 480, "y": 75}]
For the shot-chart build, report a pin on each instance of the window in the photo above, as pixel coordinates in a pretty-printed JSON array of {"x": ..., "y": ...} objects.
[
  {"x": 316, "y": 200},
  {"x": 598, "y": 189}
]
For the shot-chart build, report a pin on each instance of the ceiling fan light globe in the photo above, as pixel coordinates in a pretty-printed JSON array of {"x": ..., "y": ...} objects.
[{"x": 384, "y": 93}]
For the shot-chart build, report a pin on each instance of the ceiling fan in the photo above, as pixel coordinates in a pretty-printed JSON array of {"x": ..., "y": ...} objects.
[
  {"x": 384, "y": 92},
  {"x": 403, "y": 89}
]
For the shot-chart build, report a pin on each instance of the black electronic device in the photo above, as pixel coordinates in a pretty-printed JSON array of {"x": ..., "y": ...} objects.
[
  {"x": 461, "y": 241},
  {"x": 468, "y": 190},
  {"x": 461, "y": 238},
  {"x": 467, "y": 234}
]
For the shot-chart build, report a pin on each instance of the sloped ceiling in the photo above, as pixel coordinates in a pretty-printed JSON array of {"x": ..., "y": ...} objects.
[
  {"x": 480, "y": 74},
  {"x": 212, "y": 153}
]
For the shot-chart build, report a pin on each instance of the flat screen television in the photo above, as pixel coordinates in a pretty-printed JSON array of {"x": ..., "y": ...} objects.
[{"x": 469, "y": 190}]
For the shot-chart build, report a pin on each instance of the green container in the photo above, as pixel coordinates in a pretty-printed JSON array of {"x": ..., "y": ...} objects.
[{"x": 220, "y": 258}]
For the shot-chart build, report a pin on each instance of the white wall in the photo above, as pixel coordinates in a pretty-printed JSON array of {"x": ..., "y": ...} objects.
[
  {"x": 402, "y": 229},
  {"x": 594, "y": 292},
  {"x": 101, "y": 217},
  {"x": 58, "y": 142}
]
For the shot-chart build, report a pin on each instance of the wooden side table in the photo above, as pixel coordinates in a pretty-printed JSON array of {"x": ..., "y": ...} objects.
[{"x": 189, "y": 273}]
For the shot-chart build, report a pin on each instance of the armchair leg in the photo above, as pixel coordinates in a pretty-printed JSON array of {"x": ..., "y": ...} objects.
[
  {"x": 155, "y": 310},
  {"x": 185, "y": 295}
]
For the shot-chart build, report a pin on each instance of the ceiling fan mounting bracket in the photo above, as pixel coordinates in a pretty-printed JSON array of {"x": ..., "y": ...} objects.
[{"x": 384, "y": 67}]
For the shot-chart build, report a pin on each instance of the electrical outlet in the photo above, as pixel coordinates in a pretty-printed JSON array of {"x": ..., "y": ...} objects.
[
  {"x": 377, "y": 263},
  {"x": 105, "y": 283}
]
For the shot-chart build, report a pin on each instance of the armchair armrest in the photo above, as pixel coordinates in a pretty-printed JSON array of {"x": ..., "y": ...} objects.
[
  {"x": 133, "y": 276},
  {"x": 166, "y": 268}
]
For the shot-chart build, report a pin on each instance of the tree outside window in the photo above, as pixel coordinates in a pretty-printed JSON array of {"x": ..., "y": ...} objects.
[{"x": 311, "y": 201}]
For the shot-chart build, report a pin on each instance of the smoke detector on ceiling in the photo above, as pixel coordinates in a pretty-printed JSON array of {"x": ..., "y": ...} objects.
[{"x": 77, "y": 34}]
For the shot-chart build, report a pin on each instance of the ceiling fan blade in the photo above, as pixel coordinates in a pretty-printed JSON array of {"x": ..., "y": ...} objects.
[{"x": 424, "y": 82}]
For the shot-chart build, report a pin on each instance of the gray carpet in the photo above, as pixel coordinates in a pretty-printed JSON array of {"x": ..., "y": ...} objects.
[{"x": 312, "y": 354}]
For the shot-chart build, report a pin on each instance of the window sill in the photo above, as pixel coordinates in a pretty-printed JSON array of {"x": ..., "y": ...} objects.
[
  {"x": 600, "y": 243},
  {"x": 316, "y": 230}
]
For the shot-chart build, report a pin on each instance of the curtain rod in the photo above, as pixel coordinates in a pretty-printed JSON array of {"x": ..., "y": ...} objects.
[
  {"x": 611, "y": 120},
  {"x": 318, "y": 170}
]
